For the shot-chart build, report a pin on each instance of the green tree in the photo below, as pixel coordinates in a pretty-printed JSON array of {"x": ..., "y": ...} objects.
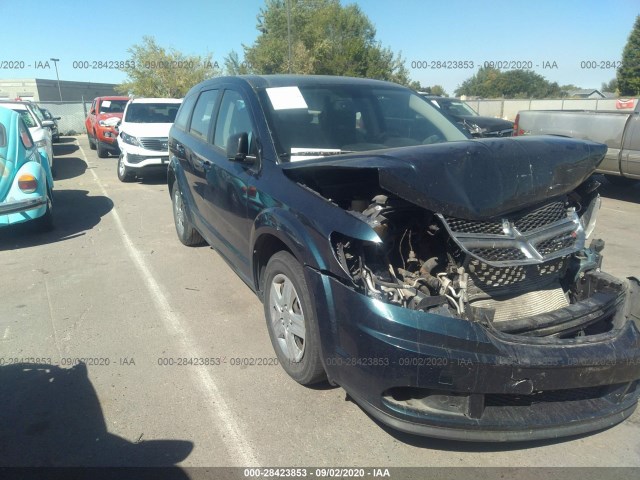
[
  {"x": 628, "y": 74},
  {"x": 326, "y": 38},
  {"x": 432, "y": 90},
  {"x": 490, "y": 82},
  {"x": 153, "y": 71},
  {"x": 611, "y": 86},
  {"x": 233, "y": 65}
]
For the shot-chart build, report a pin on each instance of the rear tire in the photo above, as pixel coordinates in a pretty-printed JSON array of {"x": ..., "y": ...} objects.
[
  {"x": 291, "y": 320},
  {"x": 187, "y": 234},
  {"x": 92, "y": 144}
]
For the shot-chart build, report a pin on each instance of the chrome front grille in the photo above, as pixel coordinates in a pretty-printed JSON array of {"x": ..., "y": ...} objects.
[
  {"x": 156, "y": 144},
  {"x": 540, "y": 217},
  {"x": 469, "y": 226},
  {"x": 532, "y": 237}
]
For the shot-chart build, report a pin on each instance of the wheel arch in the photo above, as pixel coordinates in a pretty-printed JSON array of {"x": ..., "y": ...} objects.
[{"x": 276, "y": 230}]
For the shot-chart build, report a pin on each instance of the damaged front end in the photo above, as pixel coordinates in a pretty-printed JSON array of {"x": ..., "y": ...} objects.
[
  {"x": 492, "y": 311},
  {"x": 509, "y": 273}
]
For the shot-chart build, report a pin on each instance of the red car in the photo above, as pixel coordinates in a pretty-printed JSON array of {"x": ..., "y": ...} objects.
[{"x": 102, "y": 136}]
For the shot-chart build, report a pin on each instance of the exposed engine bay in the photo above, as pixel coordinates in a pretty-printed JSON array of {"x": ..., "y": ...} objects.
[{"x": 504, "y": 271}]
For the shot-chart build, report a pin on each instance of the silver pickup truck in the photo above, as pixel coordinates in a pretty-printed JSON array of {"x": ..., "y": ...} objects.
[{"x": 620, "y": 131}]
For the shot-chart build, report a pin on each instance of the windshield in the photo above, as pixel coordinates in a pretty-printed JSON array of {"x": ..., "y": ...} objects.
[
  {"x": 321, "y": 120},
  {"x": 113, "y": 106},
  {"x": 151, "y": 112},
  {"x": 457, "y": 108},
  {"x": 37, "y": 112}
]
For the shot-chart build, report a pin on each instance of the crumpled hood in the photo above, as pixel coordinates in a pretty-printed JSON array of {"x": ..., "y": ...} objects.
[
  {"x": 474, "y": 179},
  {"x": 146, "y": 129}
]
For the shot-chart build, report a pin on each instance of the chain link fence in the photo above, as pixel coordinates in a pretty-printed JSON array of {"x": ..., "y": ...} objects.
[{"x": 72, "y": 115}]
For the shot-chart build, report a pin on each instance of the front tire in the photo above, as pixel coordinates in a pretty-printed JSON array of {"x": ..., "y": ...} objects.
[
  {"x": 291, "y": 320},
  {"x": 102, "y": 152},
  {"x": 124, "y": 173},
  {"x": 188, "y": 235}
]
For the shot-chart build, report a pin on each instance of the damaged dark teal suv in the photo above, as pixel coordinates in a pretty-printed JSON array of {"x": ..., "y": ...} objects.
[{"x": 446, "y": 283}]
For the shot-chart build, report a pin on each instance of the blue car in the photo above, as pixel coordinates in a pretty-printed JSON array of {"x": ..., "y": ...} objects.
[{"x": 26, "y": 182}]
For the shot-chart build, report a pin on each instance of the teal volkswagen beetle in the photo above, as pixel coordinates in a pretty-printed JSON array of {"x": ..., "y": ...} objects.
[{"x": 26, "y": 183}]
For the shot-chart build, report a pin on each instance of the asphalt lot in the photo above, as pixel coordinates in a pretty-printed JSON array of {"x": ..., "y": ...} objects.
[{"x": 113, "y": 285}]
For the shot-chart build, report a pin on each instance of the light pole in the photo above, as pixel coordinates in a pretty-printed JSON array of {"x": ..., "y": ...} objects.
[{"x": 55, "y": 62}]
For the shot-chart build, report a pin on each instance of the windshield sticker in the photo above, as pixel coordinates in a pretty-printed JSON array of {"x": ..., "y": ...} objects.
[
  {"x": 308, "y": 153},
  {"x": 286, "y": 98},
  {"x": 106, "y": 103}
]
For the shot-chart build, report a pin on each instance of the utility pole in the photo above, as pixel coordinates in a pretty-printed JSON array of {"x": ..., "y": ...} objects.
[
  {"x": 289, "y": 31},
  {"x": 55, "y": 62}
]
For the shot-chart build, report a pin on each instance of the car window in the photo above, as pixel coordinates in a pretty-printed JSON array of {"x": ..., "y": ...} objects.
[
  {"x": 202, "y": 114},
  {"x": 233, "y": 118},
  {"x": 25, "y": 136},
  {"x": 182, "y": 118},
  {"x": 151, "y": 112},
  {"x": 38, "y": 113},
  {"x": 27, "y": 118},
  {"x": 113, "y": 106},
  {"x": 3, "y": 136},
  {"x": 314, "y": 121}
]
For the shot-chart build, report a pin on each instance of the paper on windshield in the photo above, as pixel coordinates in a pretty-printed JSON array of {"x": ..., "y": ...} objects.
[
  {"x": 285, "y": 98},
  {"x": 106, "y": 103},
  {"x": 302, "y": 153}
]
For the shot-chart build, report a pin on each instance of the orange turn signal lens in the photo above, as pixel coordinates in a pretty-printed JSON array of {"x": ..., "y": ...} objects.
[{"x": 27, "y": 183}]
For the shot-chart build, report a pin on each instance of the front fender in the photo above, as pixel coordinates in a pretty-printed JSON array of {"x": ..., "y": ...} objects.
[{"x": 305, "y": 244}]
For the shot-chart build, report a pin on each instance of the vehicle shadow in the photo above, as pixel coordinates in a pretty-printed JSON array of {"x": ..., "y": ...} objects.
[
  {"x": 152, "y": 178},
  {"x": 64, "y": 149},
  {"x": 627, "y": 193},
  {"x": 75, "y": 212},
  {"x": 64, "y": 139},
  {"x": 51, "y": 417},
  {"x": 431, "y": 443},
  {"x": 69, "y": 167}
]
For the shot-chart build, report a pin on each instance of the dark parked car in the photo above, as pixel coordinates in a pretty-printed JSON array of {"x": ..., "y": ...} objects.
[
  {"x": 443, "y": 282},
  {"x": 55, "y": 134},
  {"x": 466, "y": 116}
]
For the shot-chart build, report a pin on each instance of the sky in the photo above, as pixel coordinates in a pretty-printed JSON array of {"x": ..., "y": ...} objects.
[{"x": 567, "y": 41}]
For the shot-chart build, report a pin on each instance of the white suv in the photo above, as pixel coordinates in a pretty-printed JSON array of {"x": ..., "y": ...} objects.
[
  {"x": 144, "y": 131},
  {"x": 39, "y": 127}
]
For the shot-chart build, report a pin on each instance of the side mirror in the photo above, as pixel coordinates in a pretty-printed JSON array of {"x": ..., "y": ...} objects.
[
  {"x": 47, "y": 123},
  {"x": 57, "y": 118},
  {"x": 238, "y": 148},
  {"x": 93, "y": 111}
]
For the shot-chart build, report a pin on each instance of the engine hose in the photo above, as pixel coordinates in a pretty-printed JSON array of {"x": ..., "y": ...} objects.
[{"x": 426, "y": 272}]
